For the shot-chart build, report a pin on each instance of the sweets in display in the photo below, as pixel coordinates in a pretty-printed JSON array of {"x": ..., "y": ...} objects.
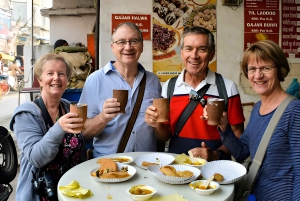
[
  {"x": 169, "y": 10},
  {"x": 204, "y": 16}
]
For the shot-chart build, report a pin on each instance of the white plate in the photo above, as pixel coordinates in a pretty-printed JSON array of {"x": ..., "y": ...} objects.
[
  {"x": 129, "y": 158},
  {"x": 155, "y": 170},
  {"x": 164, "y": 159},
  {"x": 231, "y": 171},
  {"x": 131, "y": 172}
]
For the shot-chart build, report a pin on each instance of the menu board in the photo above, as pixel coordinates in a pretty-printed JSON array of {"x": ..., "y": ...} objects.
[
  {"x": 142, "y": 21},
  {"x": 291, "y": 28},
  {"x": 261, "y": 21}
]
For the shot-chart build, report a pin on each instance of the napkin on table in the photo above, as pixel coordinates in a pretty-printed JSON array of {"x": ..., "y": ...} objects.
[
  {"x": 172, "y": 197},
  {"x": 74, "y": 189}
]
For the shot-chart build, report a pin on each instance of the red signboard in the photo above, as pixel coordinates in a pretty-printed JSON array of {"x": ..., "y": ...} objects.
[
  {"x": 261, "y": 21},
  {"x": 142, "y": 21},
  {"x": 290, "y": 29}
]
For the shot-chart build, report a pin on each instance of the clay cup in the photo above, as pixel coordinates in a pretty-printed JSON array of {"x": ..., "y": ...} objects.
[
  {"x": 81, "y": 110},
  {"x": 215, "y": 108},
  {"x": 162, "y": 109},
  {"x": 122, "y": 97}
]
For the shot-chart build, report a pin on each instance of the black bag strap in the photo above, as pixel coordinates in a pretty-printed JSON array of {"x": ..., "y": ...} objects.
[
  {"x": 46, "y": 116},
  {"x": 189, "y": 110},
  {"x": 193, "y": 103},
  {"x": 133, "y": 116},
  {"x": 171, "y": 87},
  {"x": 222, "y": 90}
]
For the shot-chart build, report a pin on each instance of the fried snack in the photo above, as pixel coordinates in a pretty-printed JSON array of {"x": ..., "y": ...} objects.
[
  {"x": 114, "y": 175},
  {"x": 171, "y": 171},
  {"x": 109, "y": 170},
  {"x": 185, "y": 174},
  {"x": 218, "y": 177},
  {"x": 168, "y": 170},
  {"x": 147, "y": 164},
  {"x": 107, "y": 165}
]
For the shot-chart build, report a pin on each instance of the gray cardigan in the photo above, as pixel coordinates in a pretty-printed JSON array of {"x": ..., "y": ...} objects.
[{"x": 37, "y": 145}]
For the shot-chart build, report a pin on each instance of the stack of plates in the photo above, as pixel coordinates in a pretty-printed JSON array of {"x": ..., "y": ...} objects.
[{"x": 155, "y": 170}]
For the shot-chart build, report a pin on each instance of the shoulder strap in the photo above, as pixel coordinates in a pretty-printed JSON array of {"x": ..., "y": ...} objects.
[
  {"x": 261, "y": 150},
  {"x": 189, "y": 110},
  {"x": 171, "y": 86},
  {"x": 222, "y": 90},
  {"x": 46, "y": 116},
  {"x": 133, "y": 116}
]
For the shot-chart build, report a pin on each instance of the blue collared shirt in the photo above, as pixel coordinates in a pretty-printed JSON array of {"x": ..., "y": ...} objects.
[{"x": 99, "y": 87}]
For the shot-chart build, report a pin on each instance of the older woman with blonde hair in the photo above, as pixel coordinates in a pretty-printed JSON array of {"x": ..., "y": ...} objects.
[
  {"x": 265, "y": 66},
  {"x": 45, "y": 132}
]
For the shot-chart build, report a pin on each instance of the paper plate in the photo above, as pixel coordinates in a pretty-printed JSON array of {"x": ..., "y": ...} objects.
[
  {"x": 155, "y": 171},
  {"x": 231, "y": 171},
  {"x": 160, "y": 158},
  {"x": 131, "y": 172}
]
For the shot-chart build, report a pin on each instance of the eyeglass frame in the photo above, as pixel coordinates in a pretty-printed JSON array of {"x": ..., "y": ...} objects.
[
  {"x": 261, "y": 69},
  {"x": 128, "y": 41}
]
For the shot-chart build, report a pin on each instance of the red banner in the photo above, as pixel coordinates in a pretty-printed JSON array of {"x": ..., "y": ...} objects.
[
  {"x": 261, "y": 21},
  {"x": 142, "y": 21}
]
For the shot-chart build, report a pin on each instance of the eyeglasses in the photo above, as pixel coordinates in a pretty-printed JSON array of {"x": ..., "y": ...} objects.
[
  {"x": 132, "y": 42},
  {"x": 251, "y": 70}
]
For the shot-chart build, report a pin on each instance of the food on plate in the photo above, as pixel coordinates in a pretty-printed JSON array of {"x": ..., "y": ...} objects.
[
  {"x": 185, "y": 159},
  {"x": 114, "y": 175},
  {"x": 204, "y": 16},
  {"x": 171, "y": 171},
  {"x": 201, "y": 187},
  {"x": 163, "y": 38},
  {"x": 137, "y": 190},
  {"x": 107, "y": 165},
  {"x": 169, "y": 10},
  {"x": 218, "y": 177},
  {"x": 121, "y": 159},
  {"x": 109, "y": 170},
  {"x": 147, "y": 164}
]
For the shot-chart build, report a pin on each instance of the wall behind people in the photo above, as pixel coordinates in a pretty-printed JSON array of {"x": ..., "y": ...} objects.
[
  {"x": 72, "y": 29},
  {"x": 122, "y": 7}
]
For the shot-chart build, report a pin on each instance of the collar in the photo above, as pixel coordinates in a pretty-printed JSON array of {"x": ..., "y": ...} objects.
[
  {"x": 110, "y": 67},
  {"x": 209, "y": 79}
]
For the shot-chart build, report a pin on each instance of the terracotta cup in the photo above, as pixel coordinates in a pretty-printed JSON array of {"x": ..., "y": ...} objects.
[
  {"x": 162, "y": 109},
  {"x": 215, "y": 108},
  {"x": 81, "y": 110},
  {"x": 122, "y": 96}
]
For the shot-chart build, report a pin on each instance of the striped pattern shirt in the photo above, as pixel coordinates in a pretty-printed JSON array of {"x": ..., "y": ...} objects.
[{"x": 279, "y": 175}]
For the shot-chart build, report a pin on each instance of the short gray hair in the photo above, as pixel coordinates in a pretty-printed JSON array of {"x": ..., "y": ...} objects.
[
  {"x": 199, "y": 30},
  {"x": 130, "y": 25}
]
